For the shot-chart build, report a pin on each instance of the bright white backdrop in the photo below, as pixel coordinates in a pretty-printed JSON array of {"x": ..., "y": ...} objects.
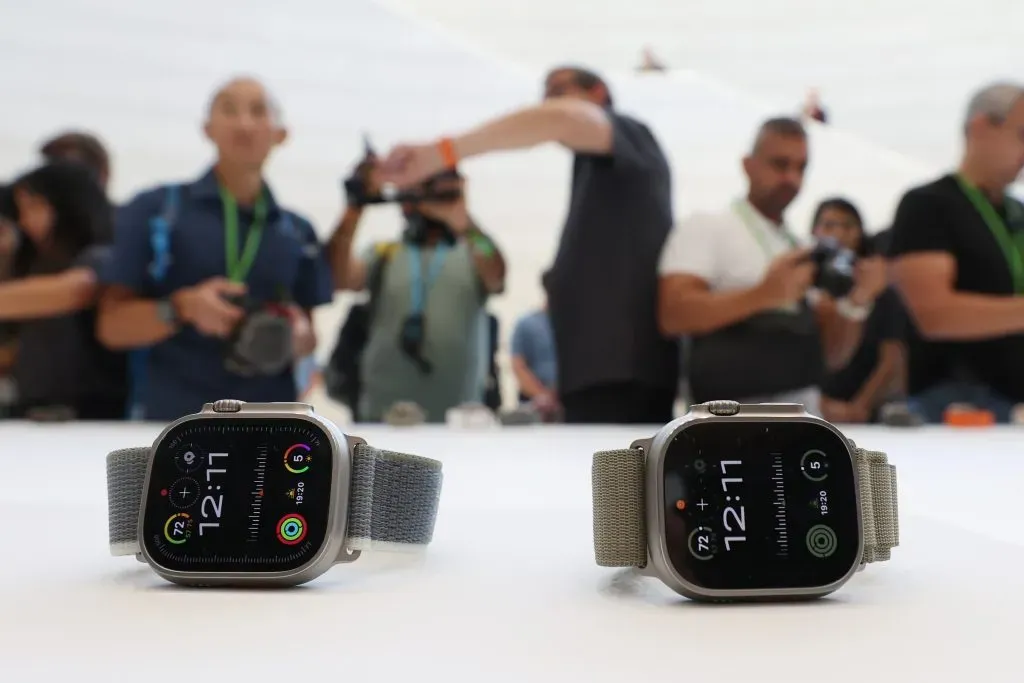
[{"x": 140, "y": 76}]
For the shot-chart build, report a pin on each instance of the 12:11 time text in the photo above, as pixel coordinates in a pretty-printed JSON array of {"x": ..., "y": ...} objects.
[
  {"x": 733, "y": 518},
  {"x": 215, "y": 502}
]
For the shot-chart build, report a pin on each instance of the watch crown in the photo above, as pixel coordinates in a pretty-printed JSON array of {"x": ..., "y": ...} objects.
[
  {"x": 722, "y": 407},
  {"x": 227, "y": 405}
]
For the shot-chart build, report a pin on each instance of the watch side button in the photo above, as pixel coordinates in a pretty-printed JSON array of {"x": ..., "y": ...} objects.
[
  {"x": 227, "y": 405},
  {"x": 722, "y": 407}
]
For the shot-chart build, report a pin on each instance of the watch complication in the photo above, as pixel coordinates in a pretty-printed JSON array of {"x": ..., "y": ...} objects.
[
  {"x": 745, "y": 502},
  {"x": 264, "y": 494}
]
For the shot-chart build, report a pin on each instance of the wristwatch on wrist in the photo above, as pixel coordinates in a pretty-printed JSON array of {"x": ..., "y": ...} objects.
[
  {"x": 852, "y": 311},
  {"x": 264, "y": 494},
  {"x": 167, "y": 312},
  {"x": 745, "y": 502}
]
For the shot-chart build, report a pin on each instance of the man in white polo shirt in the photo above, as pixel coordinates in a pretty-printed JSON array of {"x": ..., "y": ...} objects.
[{"x": 739, "y": 284}]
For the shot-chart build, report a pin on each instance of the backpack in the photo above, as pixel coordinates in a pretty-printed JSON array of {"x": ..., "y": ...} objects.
[
  {"x": 160, "y": 228},
  {"x": 341, "y": 376}
]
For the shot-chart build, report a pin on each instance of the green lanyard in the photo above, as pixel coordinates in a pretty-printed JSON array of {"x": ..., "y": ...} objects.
[
  {"x": 239, "y": 265},
  {"x": 1009, "y": 243},
  {"x": 746, "y": 215}
]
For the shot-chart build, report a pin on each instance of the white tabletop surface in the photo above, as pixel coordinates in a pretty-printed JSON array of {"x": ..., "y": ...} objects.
[{"x": 509, "y": 590}]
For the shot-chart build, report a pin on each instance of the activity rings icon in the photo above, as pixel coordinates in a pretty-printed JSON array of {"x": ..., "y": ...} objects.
[
  {"x": 297, "y": 458},
  {"x": 291, "y": 530},
  {"x": 821, "y": 541}
]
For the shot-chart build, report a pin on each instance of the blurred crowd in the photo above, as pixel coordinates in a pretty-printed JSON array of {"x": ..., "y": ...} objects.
[{"x": 203, "y": 289}]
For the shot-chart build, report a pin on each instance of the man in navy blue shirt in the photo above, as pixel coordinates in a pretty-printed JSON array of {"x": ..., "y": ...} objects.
[{"x": 229, "y": 237}]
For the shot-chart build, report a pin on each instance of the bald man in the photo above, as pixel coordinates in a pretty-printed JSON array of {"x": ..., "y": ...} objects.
[
  {"x": 739, "y": 285},
  {"x": 226, "y": 236},
  {"x": 958, "y": 245}
]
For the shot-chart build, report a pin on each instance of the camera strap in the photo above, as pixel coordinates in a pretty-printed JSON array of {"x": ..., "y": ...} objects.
[
  {"x": 421, "y": 285},
  {"x": 1010, "y": 243},
  {"x": 238, "y": 264},
  {"x": 751, "y": 223}
]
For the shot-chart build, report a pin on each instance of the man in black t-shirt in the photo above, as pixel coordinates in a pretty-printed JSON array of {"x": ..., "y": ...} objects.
[
  {"x": 958, "y": 250},
  {"x": 614, "y": 365}
]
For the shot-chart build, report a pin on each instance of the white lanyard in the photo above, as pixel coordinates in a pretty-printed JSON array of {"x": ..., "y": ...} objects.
[{"x": 750, "y": 222}]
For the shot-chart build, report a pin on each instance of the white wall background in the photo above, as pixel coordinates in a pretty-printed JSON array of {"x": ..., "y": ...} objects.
[{"x": 894, "y": 75}]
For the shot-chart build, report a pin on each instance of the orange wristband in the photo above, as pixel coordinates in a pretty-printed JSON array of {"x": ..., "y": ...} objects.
[{"x": 447, "y": 149}]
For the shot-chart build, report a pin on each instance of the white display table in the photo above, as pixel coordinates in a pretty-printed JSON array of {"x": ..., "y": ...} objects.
[{"x": 509, "y": 590}]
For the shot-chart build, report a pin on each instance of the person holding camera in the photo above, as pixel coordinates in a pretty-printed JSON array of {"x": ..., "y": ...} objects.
[
  {"x": 211, "y": 283},
  {"x": 766, "y": 316},
  {"x": 855, "y": 392},
  {"x": 613, "y": 364},
  {"x": 56, "y": 221},
  {"x": 426, "y": 328}
]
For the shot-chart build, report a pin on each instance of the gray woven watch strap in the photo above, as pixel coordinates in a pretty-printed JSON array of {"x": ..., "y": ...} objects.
[
  {"x": 394, "y": 500},
  {"x": 880, "y": 518},
  {"x": 620, "y": 529},
  {"x": 126, "y": 474}
]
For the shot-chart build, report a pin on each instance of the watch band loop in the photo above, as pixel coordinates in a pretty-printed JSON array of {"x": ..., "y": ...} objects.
[
  {"x": 394, "y": 500},
  {"x": 126, "y": 475},
  {"x": 878, "y": 500},
  {"x": 620, "y": 527}
]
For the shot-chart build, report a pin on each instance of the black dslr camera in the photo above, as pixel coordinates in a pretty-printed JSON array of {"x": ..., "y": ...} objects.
[
  {"x": 358, "y": 190},
  {"x": 411, "y": 339},
  {"x": 261, "y": 344},
  {"x": 835, "y": 264}
]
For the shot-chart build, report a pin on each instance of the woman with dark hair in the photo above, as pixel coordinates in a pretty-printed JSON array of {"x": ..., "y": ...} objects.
[
  {"x": 63, "y": 221},
  {"x": 855, "y": 392}
]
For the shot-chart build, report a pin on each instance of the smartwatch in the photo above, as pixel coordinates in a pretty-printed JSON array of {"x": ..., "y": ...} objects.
[
  {"x": 745, "y": 502},
  {"x": 264, "y": 495},
  {"x": 168, "y": 313}
]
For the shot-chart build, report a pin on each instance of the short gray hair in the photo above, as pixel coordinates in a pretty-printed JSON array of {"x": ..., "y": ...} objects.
[{"x": 995, "y": 102}]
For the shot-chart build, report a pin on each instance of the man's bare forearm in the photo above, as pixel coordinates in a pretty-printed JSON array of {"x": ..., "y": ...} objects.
[
  {"x": 840, "y": 336},
  {"x": 8, "y": 354},
  {"x": 969, "y": 317},
  {"x": 577, "y": 125},
  {"x": 44, "y": 296},
  {"x": 347, "y": 273},
  {"x": 706, "y": 312},
  {"x": 130, "y": 322},
  {"x": 882, "y": 378},
  {"x": 529, "y": 385}
]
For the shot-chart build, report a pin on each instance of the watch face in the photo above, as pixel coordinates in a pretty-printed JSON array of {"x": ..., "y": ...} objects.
[
  {"x": 239, "y": 495},
  {"x": 760, "y": 505}
]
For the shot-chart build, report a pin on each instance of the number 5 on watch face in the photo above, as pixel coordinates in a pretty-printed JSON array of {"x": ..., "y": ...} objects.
[{"x": 296, "y": 458}]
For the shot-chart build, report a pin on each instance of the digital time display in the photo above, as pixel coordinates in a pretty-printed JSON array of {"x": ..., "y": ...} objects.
[
  {"x": 759, "y": 505},
  {"x": 239, "y": 495}
]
